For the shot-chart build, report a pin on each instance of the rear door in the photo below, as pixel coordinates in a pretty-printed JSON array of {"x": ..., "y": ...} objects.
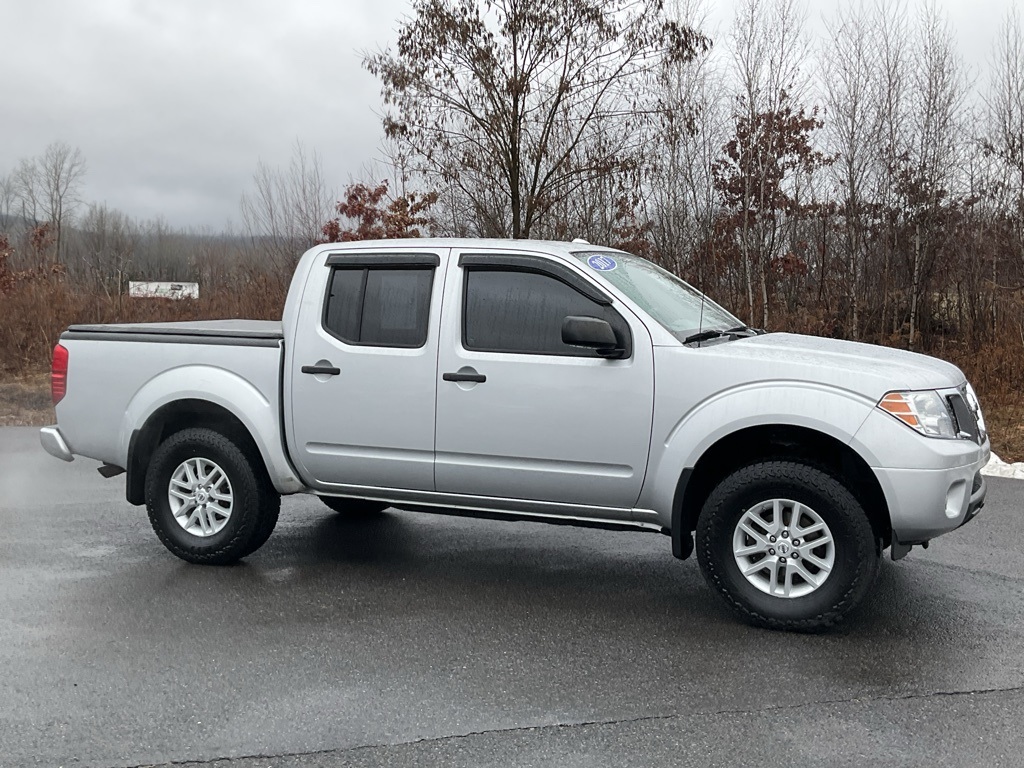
[
  {"x": 522, "y": 415},
  {"x": 364, "y": 370}
]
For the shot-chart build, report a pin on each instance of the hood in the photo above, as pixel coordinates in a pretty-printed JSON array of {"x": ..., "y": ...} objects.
[{"x": 864, "y": 368}]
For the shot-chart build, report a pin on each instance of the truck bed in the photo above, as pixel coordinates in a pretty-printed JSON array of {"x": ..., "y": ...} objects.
[{"x": 120, "y": 374}]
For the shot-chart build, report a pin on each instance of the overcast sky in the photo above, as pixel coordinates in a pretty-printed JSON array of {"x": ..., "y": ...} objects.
[{"x": 173, "y": 102}]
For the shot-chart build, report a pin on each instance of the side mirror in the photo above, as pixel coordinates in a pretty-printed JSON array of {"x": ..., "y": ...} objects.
[{"x": 592, "y": 333}]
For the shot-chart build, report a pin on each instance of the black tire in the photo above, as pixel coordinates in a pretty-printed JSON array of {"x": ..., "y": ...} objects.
[
  {"x": 268, "y": 518},
  {"x": 856, "y": 555},
  {"x": 255, "y": 504},
  {"x": 355, "y": 507}
]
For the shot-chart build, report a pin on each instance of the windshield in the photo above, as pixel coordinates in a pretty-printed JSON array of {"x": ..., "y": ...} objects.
[{"x": 677, "y": 306}]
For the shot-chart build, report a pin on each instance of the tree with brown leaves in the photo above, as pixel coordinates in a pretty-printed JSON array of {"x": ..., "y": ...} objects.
[
  {"x": 372, "y": 215},
  {"x": 525, "y": 98}
]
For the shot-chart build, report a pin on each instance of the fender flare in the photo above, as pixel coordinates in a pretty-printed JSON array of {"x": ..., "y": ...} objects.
[
  {"x": 830, "y": 411},
  {"x": 222, "y": 388}
]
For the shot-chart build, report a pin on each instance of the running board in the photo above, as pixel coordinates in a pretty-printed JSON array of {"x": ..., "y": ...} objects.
[
  {"x": 496, "y": 508},
  {"x": 527, "y": 517}
]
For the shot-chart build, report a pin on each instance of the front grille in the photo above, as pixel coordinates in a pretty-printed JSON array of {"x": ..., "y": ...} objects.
[{"x": 966, "y": 422}]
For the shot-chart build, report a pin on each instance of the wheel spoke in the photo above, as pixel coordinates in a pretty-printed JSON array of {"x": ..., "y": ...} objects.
[
  {"x": 207, "y": 522},
  {"x": 787, "y": 583},
  {"x": 753, "y": 549},
  {"x": 794, "y": 521},
  {"x": 773, "y": 567},
  {"x": 820, "y": 541},
  {"x": 818, "y": 562},
  {"x": 809, "y": 577},
  {"x": 805, "y": 532},
  {"x": 215, "y": 477},
  {"x": 755, "y": 535},
  {"x": 760, "y": 565}
]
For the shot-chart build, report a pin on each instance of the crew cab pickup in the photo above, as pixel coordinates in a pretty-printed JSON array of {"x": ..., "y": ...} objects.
[{"x": 536, "y": 381}]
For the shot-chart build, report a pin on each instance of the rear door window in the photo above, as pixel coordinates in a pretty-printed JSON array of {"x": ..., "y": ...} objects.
[{"x": 379, "y": 306}]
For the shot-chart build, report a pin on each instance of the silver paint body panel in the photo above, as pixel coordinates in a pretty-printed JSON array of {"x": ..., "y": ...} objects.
[
  {"x": 573, "y": 430},
  {"x": 577, "y": 438}
]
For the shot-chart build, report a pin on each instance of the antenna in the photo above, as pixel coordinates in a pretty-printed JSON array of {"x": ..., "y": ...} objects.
[{"x": 703, "y": 299}]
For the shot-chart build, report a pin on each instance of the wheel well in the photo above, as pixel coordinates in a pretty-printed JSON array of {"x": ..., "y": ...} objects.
[
  {"x": 172, "y": 418},
  {"x": 753, "y": 444}
]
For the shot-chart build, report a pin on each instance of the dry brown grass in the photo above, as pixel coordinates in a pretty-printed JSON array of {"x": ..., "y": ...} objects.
[
  {"x": 36, "y": 311},
  {"x": 996, "y": 370},
  {"x": 1004, "y": 418},
  {"x": 25, "y": 401},
  {"x": 38, "y": 308}
]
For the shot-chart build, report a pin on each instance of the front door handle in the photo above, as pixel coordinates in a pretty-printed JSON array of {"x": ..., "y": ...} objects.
[
  {"x": 478, "y": 378},
  {"x": 323, "y": 370}
]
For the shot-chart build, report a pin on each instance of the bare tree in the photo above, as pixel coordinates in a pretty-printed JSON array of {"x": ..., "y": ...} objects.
[
  {"x": 937, "y": 122},
  {"x": 850, "y": 82},
  {"x": 889, "y": 106},
  {"x": 691, "y": 131},
  {"x": 107, "y": 243},
  {"x": 48, "y": 187},
  {"x": 525, "y": 98},
  {"x": 769, "y": 56},
  {"x": 285, "y": 212},
  {"x": 1005, "y": 139},
  {"x": 7, "y": 198}
]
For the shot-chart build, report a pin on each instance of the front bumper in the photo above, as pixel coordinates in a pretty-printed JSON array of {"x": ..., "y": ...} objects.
[
  {"x": 931, "y": 485},
  {"x": 925, "y": 503},
  {"x": 54, "y": 443}
]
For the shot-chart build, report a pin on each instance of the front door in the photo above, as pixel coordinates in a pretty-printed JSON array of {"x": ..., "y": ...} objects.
[
  {"x": 363, "y": 370},
  {"x": 522, "y": 415}
]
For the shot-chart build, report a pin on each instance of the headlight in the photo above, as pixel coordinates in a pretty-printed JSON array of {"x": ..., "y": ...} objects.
[{"x": 927, "y": 412}]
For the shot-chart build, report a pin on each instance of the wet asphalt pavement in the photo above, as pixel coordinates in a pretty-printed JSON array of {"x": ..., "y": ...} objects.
[{"x": 415, "y": 639}]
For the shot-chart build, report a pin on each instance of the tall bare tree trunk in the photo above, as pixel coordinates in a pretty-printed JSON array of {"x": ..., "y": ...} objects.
[{"x": 915, "y": 283}]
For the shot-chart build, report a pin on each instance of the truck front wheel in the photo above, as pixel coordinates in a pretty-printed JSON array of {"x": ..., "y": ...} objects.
[
  {"x": 787, "y": 545},
  {"x": 208, "y": 500}
]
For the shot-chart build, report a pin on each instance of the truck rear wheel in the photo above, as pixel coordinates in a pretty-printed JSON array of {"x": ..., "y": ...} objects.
[
  {"x": 787, "y": 545},
  {"x": 347, "y": 506},
  {"x": 208, "y": 500}
]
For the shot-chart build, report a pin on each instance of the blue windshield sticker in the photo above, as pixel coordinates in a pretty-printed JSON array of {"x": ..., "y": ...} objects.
[{"x": 602, "y": 263}]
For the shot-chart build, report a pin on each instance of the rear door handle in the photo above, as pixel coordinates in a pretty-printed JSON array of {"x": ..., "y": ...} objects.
[
  {"x": 479, "y": 378},
  {"x": 321, "y": 369}
]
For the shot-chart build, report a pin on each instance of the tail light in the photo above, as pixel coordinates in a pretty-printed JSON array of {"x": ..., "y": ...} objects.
[{"x": 59, "y": 374}]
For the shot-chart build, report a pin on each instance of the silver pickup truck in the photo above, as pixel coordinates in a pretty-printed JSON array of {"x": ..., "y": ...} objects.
[{"x": 549, "y": 382}]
